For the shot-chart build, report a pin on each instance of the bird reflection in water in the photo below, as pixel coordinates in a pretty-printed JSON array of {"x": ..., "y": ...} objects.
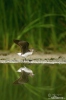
[{"x": 24, "y": 77}]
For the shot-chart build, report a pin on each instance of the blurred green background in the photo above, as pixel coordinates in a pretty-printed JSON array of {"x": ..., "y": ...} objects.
[
  {"x": 42, "y": 23},
  {"x": 47, "y": 81}
]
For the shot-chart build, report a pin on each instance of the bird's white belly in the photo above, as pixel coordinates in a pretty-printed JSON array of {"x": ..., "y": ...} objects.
[{"x": 25, "y": 54}]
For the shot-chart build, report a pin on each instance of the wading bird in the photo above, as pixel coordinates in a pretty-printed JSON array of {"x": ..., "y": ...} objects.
[{"x": 24, "y": 45}]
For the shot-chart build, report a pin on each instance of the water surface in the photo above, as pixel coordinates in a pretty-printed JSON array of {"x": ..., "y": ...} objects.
[{"x": 49, "y": 81}]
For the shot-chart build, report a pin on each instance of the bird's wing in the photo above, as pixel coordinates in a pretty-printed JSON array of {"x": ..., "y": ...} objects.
[
  {"x": 16, "y": 41},
  {"x": 24, "y": 45}
]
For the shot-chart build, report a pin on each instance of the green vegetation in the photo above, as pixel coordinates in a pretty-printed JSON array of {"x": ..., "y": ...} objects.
[
  {"x": 48, "y": 80},
  {"x": 42, "y": 23}
]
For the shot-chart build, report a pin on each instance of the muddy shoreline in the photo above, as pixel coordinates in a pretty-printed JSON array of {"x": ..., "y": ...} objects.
[{"x": 35, "y": 58}]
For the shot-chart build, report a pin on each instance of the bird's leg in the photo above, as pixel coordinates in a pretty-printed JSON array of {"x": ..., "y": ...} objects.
[
  {"x": 25, "y": 59},
  {"x": 21, "y": 53}
]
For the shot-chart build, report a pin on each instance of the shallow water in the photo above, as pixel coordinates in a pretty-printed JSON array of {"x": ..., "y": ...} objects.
[{"x": 48, "y": 82}]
